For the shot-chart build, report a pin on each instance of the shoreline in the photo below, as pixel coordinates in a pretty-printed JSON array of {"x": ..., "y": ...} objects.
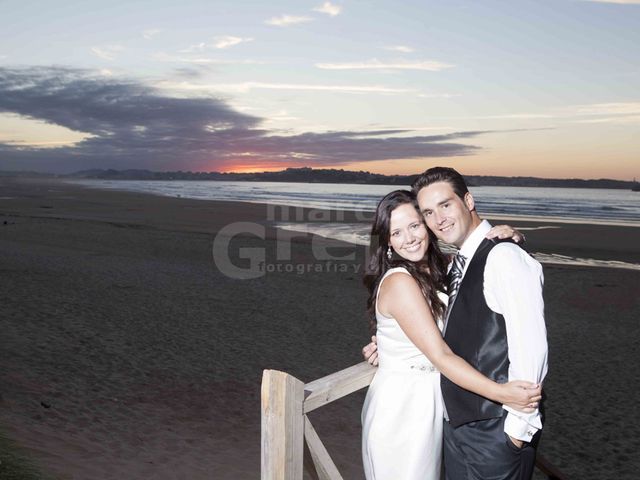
[
  {"x": 497, "y": 216},
  {"x": 564, "y": 242},
  {"x": 149, "y": 356}
]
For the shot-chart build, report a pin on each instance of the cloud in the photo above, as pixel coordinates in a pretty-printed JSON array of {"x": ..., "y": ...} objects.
[
  {"x": 613, "y": 108},
  {"x": 516, "y": 116},
  {"x": 612, "y": 112},
  {"x": 129, "y": 124},
  {"x": 190, "y": 72},
  {"x": 244, "y": 87},
  {"x": 631, "y": 119},
  {"x": 220, "y": 42},
  {"x": 107, "y": 52},
  {"x": 200, "y": 60},
  {"x": 150, "y": 33},
  {"x": 229, "y": 41},
  {"x": 439, "y": 95},
  {"x": 375, "y": 64},
  {"x": 399, "y": 48},
  {"x": 287, "y": 20},
  {"x": 198, "y": 47},
  {"x": 282, "y": 116},
  {"x": 329, "y": 8},
  {"x": 619, "y": 113}
]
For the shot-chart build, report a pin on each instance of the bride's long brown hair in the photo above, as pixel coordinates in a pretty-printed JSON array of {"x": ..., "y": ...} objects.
[{"x": 430, "y": 272}]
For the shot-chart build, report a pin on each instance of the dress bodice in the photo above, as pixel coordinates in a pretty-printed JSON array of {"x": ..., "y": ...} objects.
[{"x": 395, "y": 349}]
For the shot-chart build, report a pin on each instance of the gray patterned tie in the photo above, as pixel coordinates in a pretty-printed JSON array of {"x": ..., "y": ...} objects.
[{"x": 455, "y": 277}]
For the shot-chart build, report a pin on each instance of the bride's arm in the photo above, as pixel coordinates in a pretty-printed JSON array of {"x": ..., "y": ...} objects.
[{"x": 401, "y": 298}]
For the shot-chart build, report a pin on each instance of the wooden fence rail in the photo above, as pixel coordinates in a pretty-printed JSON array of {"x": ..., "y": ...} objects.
[{"x": 291, "y": 445}]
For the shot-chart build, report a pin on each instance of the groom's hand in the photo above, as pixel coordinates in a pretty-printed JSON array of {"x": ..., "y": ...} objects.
[
  {"x": 370, "y": 352},
  {"x": 518, "y": 443}
]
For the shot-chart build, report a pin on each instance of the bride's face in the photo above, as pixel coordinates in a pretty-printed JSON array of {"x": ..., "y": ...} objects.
[{"x": 407, "y": 233}]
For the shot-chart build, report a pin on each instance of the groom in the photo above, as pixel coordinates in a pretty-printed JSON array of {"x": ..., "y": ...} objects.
[{"x": 495, "y": 322}]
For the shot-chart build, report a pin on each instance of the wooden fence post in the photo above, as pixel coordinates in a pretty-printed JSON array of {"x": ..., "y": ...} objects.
[
  {"x": 285, "y": 424},
  {"x": 282, "y": 426}
]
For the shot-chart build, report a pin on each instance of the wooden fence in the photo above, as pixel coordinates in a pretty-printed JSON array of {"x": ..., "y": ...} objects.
[{"x": 286, "y": 428}]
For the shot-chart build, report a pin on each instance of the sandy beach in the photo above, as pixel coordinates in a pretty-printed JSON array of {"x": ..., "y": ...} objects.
[{"x": 127, "y": 351}]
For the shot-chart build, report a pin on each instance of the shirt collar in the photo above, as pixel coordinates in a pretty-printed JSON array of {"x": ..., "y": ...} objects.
[{"x": 474, "y": 240}]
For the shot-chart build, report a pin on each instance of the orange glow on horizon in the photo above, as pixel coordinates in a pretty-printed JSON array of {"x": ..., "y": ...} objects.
[
  {"x": 530, "y": 164},
  {"x": 255, "y": 168}
]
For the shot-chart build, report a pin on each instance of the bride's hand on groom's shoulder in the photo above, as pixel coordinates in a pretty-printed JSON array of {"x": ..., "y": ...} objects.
[
  {"x": 521, "y": 395},
  {"x": 506, "y": 231},
  {"x": 370, "y": 352}
]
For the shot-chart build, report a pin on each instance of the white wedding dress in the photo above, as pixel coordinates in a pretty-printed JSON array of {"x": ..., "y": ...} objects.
[{"x": 403, "y": 411}]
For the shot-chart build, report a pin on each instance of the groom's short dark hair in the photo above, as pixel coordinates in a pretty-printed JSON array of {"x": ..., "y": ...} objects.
[{"x": 441, "y": 174}]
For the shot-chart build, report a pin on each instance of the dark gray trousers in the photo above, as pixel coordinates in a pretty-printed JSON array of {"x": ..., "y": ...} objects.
[{"x": 482, "y": 451}]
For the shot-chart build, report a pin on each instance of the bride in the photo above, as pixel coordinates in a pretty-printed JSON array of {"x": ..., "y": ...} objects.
[{"x": 403, "y": 410}]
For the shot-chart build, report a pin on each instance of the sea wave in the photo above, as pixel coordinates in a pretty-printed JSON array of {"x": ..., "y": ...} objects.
[
  {"x": 586, "y": 205},
  {"x": 358, "y": 234}
]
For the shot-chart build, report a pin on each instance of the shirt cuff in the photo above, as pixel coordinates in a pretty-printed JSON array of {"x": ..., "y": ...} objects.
[{"x": 520, "y": 428}]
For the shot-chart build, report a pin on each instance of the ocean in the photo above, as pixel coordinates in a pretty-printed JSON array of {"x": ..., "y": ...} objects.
[
  {"x": 593, "y": 206},
  {"x": 614, "y": 207}
]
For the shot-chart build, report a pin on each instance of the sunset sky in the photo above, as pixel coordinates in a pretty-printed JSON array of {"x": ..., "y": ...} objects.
[{"x": 547, "y": 88}]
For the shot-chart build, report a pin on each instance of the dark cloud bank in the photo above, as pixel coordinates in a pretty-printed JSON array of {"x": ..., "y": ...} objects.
[{"x": 136, "y": 126}]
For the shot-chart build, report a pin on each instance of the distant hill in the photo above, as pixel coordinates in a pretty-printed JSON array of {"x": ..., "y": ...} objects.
[{"x": 331, "y": 175}]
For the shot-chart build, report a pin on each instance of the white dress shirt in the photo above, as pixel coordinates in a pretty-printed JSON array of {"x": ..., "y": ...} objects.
[{"x": 513, "y": 288}]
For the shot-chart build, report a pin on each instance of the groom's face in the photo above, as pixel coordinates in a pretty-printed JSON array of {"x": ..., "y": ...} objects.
[{"x": 445, "y": 213}]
